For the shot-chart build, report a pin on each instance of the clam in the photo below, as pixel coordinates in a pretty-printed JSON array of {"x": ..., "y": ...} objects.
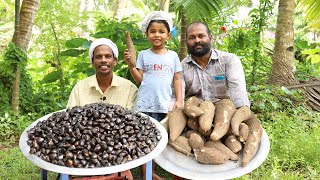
[{"x": 95, "y": 135}]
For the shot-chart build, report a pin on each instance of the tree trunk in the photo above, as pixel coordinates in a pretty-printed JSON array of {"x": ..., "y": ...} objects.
[
  {"x": 120, "y": 7},
  {"x": 16, "y": 82},
  {"x": 57, "y": 64},
  {"x": 183, "y": 45},
  {"x": 27, "y": 16},
  {"x": 282, "y": 71},
  {"x": 21, "y": 39},
  {"x": 16, "y": 20},
  {"x": 164, "y": 5}
]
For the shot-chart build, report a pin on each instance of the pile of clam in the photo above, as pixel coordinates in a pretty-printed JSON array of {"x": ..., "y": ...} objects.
[{"x": 95, "y": 135}]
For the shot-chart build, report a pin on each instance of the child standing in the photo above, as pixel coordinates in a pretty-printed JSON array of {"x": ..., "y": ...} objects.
[{"x": 156, "y": 69}]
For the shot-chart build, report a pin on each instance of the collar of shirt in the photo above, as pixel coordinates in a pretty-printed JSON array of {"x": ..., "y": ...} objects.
[
  {"x": 94, "y": 81},
  {"x": 214, "y": 56}
]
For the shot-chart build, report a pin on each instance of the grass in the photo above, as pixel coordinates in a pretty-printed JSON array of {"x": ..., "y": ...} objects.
[
  {"x": 294, "y": 153},
  {"x": 13, "y": 165}
]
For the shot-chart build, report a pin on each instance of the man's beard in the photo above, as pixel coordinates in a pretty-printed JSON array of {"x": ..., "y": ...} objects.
[{"x": 199, "y": 52}]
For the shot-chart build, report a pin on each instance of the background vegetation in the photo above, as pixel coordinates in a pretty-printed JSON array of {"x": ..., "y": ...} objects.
[{"x": 57, "y": 58}]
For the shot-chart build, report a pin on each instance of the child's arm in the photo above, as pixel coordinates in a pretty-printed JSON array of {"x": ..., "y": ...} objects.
[
  {"x": 136, "y": 73},
  {"x": 177, "y": 85}
]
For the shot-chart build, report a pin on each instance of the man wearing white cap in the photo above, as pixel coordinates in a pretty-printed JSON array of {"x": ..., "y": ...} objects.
[{"x": 104, "y": 86}]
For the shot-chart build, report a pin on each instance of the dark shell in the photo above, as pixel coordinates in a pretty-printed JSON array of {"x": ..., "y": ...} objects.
[{"x": 95, "y": 135}]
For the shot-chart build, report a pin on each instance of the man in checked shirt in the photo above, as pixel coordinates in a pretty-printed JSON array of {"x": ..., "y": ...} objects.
[{"x": 211, "y": 74}]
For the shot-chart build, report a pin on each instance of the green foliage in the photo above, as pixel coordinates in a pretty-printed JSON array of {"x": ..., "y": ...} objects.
[
  {"x": 256, "y": 63},
  {"x": 308, "y": 59},
  {"x": 6, "y": 21},
  {"x": 48, "y": 98},
  {"x": 11, "y": 125},
  {"x": 14, "y": 57},
  {"x": 293, "y": 144},
  {"x": 312, "y": 11},
  {"x": 259, "y": 16},
  {"x": 53, "y": 76},
  {"x": 200, "y": 9},
  {"x": 270, "y": 99},
  {"x": 307, "y": 69}
]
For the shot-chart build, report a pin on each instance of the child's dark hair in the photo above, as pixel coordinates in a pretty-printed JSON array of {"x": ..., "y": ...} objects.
[{"x": 164, "y": 22}]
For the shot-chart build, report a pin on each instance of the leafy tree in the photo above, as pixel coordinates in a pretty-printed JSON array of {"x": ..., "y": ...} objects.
[{"x": 23, "y": 30}]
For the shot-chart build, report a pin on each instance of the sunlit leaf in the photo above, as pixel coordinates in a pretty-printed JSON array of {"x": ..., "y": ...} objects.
[
  {"x": 274, "y": 104},
  {"x": 285, "y": 90},
  {"x": 235, "y": 22},
  {"x": 302, "y": 44},
  {"x": 52, "y": 77},
  {"x": 86, "y": 44},
  {"x": 315, "y": 58},
  {"x": 72, "y": 52},
  {"x": 76, "y": 42},
  {"x": 311, "y": 51}
]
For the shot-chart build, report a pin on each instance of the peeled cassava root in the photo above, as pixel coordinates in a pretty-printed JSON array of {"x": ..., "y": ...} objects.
[
  {"x": 209, "y": 155},
  {"x": 223, "y": 148},
  {"x": 191, "y": 107},
  {"x": 243, "y": 132},
  {"x": 196, "y": 141},
  {"x": 193, "y": 124},
  {"x": 131, "y": 48},
  {"x": 232, "y": 143},
  {"x": 210, "y": 136},
  {"x": 205, "y": 120},
  {"x": 239, "y": 116},
  {"x": 223, "y": 114},
  {"x": 253, "y": 140},
  {"x": 181, "y": 144},
  {"x": 177, "y": 122}
]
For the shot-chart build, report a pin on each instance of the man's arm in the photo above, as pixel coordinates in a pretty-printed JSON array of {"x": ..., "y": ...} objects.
[{"x": 237, "y": 83}]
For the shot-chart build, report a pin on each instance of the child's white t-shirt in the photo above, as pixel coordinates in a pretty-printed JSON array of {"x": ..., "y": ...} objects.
[{"x": 155, "y": 91}]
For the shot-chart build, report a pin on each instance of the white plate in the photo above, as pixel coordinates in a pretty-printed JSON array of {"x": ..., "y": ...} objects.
[
  {"x": 187, "y": 167},
  {"x": 25, "y": 148}
]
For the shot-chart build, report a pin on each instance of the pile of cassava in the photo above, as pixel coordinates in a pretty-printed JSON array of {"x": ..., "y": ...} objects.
[{"x": 214, "y": 133}]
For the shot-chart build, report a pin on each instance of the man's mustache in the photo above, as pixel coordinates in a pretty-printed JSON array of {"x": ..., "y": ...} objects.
[{"x": 199, "y": 44}]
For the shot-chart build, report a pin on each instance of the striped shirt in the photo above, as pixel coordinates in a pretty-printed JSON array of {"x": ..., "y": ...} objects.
[
  {"x": 121, "y": 92},
  {"x": 223, "y": 77}
]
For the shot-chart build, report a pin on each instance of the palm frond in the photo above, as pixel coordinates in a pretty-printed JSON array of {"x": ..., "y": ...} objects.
[
  {"x": 199, "y": 9},
  {"x": 312, "y": 11}
]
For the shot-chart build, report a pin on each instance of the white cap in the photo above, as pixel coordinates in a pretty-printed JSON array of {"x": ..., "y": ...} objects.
[
  {"x": 156, "y": 15},
  {"x": 103, "y": 41}
]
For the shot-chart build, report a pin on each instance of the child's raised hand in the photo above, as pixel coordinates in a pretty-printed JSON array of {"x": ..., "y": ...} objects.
[{"x": 127, "y": 57}]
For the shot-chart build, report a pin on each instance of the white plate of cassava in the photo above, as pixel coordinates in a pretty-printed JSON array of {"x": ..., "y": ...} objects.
[{"x": 213, "y": 141}]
